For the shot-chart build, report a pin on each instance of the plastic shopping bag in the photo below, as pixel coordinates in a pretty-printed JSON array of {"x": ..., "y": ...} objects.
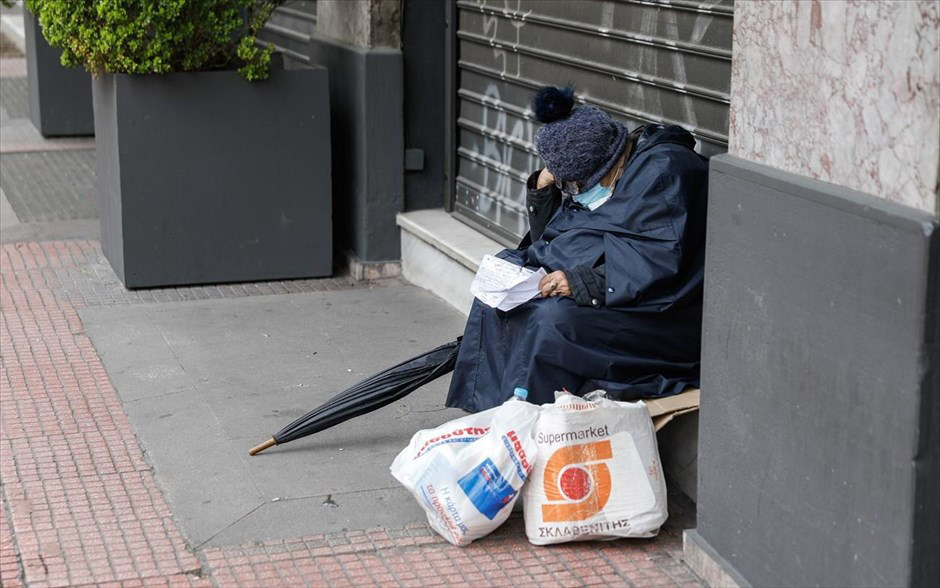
[
  {"x": 467, "y": 474},
  {"x": 597, "y": 474}
]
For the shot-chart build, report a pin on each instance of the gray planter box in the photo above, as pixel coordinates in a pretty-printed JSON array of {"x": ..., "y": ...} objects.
[
  {"x": 59, "y": 96},
  {"x": 208, "y": 178}
]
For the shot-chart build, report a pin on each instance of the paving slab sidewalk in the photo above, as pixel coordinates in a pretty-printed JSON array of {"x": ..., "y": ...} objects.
[
  {"x": 123, "y": 412},
  {"x": 203, "y": 381}
]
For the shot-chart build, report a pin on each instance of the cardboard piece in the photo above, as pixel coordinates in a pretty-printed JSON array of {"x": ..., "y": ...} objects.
[{"x": 663, "y": 410}]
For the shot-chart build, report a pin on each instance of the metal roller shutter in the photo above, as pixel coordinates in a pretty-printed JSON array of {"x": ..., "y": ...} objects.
[
  {"x": 641, "y": 60},
  {"x": 291, "y": 27}
]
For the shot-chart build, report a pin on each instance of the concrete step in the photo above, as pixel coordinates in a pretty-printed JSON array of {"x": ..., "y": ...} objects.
[{"x": 441, "y": 254}]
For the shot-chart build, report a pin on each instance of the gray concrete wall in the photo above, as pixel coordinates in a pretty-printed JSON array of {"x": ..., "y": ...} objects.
[
  {"x": 359, "y": 42},
  {"x": 424, "y": 32},
  {"x": 819, "y": 457},
  {"x": 367, "y": 146}
]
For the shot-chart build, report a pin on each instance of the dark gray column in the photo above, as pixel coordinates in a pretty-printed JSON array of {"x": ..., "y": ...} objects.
[
  {"x": 367, "y": 144},
  {"x": 423, "y": 35},
  {"x": 819, "y": 453}
]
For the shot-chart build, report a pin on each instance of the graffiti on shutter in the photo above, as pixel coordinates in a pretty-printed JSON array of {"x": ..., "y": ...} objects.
[{"x": 643, "y": 61}]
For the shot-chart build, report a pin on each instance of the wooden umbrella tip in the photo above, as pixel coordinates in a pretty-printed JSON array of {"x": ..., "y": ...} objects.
[{"x": 262, "y": 446}]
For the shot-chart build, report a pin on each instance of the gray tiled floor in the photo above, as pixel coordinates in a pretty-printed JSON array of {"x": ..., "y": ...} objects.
[
  {"x": 203, "y": 381},
  {"x": 14, "y": 98},
  {"x": 51, "y": 186}
]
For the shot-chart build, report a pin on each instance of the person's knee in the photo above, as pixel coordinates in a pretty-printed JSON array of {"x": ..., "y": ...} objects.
[{"x": 553, "y": 333}]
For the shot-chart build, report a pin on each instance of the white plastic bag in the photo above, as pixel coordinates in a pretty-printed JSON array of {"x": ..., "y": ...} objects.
[
  {"x": 466, "y": 474},
  {"x": 597, "y": 474}
]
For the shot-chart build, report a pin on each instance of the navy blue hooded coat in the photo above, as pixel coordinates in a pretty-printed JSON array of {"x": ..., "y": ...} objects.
[{"x": 635, "y": 265}]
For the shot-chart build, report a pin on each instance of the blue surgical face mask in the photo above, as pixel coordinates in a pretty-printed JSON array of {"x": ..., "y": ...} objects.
[{"x": 596, "y": 195}]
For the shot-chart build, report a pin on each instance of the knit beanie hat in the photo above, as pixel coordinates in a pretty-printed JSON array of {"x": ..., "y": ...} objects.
[{"x": 579, "y": 145}]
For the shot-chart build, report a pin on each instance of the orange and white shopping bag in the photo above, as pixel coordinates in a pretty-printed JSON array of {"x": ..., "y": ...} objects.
[{"x": 597, "y": 474}]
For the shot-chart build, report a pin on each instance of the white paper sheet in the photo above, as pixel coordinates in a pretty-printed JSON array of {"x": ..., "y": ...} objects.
[{"x": 504, "y": 285}]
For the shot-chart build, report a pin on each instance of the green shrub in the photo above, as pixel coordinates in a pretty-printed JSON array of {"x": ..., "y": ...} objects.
[{"x": 157, "y": 36}]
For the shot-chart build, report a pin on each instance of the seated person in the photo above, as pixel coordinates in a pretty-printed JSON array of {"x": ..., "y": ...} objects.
[{"x": 618, "y": 219}]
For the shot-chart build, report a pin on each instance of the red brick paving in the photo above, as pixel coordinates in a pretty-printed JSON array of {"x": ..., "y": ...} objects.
[
  {"x": 420, "y": 558},
  {"x": 80, "y": 504},
  {"x": 83, "y": 502},
  {"x": 9, "y": 563}
]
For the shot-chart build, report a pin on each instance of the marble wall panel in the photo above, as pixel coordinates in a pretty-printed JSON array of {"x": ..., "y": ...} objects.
[{"x": 843, "y": 91}]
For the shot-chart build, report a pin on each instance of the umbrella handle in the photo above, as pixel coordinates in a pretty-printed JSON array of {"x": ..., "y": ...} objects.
[{"x": 261, "y": 447}]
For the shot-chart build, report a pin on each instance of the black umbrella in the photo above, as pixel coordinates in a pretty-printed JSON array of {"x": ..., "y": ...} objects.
[{"x": 383, "y": 388}]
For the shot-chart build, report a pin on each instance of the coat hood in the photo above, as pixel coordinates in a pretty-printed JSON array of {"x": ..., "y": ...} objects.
[{"x": 658, "y": 134}]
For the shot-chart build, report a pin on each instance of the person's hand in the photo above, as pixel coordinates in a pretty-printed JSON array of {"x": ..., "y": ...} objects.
[
  {"x": 545, "y": 179},
  {"x": 554, "y": 284}
]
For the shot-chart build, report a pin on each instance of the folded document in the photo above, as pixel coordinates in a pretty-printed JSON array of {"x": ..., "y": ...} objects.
[{"x": 504, "y": 285}]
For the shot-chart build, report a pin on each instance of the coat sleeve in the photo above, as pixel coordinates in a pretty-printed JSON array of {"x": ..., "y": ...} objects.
[
  {"x": 639, "y": 271},
  {"x": 645, "y": 268},
  {"x": 541, "y": 205},
  {"x": 587, "y": 285}
]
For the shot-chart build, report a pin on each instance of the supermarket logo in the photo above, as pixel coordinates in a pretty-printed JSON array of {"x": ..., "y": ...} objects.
[{"x": 577, "y": 482}]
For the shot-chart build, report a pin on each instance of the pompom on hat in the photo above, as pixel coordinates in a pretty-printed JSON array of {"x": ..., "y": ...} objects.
[{"x": 577, "y": 144}]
